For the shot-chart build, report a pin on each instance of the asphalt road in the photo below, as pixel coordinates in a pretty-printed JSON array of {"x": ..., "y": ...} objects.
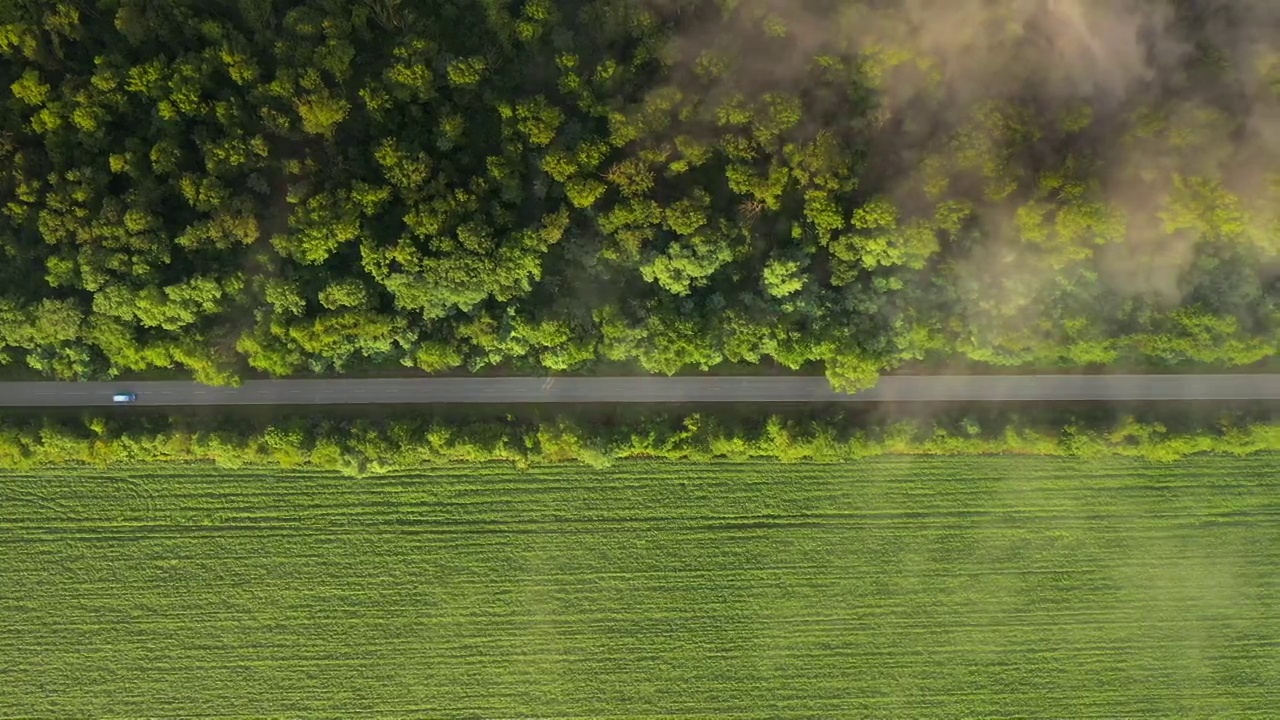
[{"x": 969, "y": 388}]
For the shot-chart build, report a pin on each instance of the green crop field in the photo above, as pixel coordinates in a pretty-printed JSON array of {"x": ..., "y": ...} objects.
[{"x": 894, "y": 588}]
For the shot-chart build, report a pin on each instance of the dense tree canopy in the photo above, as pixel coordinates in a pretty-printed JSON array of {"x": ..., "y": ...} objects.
[{"x": 294, "y": 185}]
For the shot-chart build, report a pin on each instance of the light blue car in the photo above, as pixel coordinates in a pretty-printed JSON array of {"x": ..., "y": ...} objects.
[{"x": 121, "y": 398}]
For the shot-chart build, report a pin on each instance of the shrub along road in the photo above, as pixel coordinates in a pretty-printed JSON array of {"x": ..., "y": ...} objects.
[{"x": 649, "y": 389}]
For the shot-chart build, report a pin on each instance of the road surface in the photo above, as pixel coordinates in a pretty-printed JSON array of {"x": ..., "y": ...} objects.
[{"x": 504, "y": 390}]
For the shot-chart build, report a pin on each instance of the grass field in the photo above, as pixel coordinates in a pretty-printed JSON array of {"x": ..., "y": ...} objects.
[{"x": 895, "y": 588}]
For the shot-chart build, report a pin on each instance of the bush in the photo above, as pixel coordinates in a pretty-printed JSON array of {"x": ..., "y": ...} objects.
[{"x": 383, "y": 445}]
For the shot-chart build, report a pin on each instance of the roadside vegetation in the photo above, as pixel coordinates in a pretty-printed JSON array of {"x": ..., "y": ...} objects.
[
  {"x": 307, "y": 186},
  {"x": 919, "y": 587},
  {"x": 396, "y": 442}
]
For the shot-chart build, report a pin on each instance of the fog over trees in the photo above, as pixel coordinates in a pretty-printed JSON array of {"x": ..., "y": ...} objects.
[{"x": 219, "y": 185}]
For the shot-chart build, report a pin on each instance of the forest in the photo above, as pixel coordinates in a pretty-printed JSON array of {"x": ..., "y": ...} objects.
[{"x": 308, "y": 186}]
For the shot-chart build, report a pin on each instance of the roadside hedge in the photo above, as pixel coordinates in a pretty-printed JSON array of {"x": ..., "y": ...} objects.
[{"x": 359, "y": 446}]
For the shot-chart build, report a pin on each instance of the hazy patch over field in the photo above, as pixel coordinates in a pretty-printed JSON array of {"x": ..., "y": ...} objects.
[{"x": 889, "y": 588}]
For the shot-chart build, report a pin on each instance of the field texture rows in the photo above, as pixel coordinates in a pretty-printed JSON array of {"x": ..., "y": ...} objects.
[{"x": 895, "y": 588}]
